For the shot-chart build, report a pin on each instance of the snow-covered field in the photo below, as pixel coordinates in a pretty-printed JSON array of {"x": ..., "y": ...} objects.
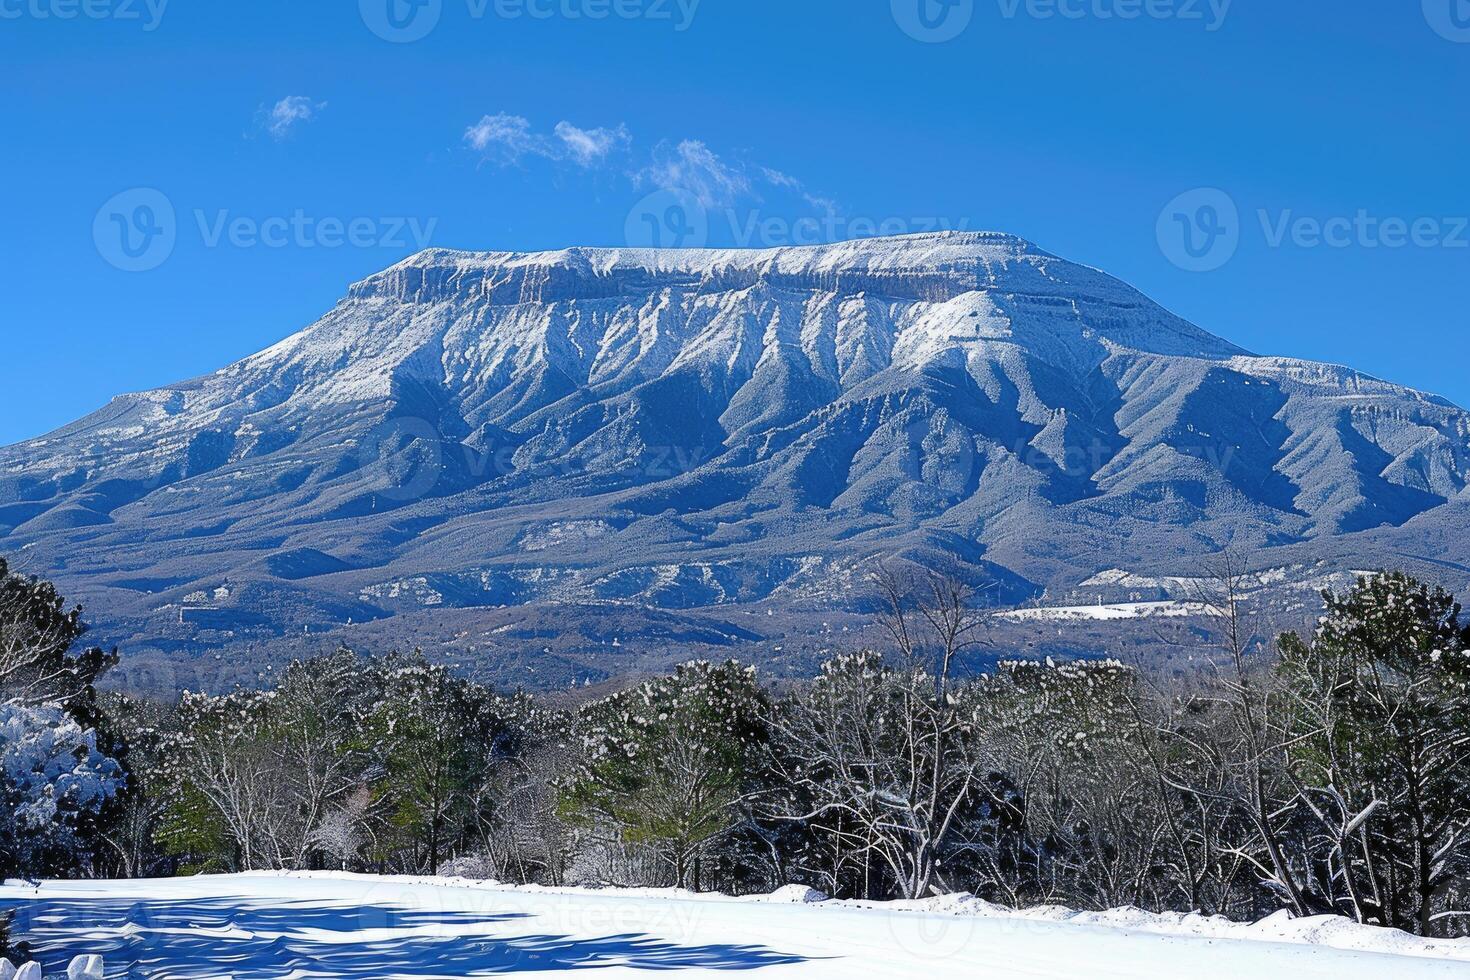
[
  {"x": 295, "y": 927},
  {"x": 1107, "y": 613}
]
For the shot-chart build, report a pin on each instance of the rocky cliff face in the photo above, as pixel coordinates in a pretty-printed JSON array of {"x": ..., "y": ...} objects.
[{"x": 693, "y": 429}]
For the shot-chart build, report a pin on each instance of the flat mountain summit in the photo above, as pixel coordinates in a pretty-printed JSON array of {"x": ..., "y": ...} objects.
[{"x": 490, "y": 453}]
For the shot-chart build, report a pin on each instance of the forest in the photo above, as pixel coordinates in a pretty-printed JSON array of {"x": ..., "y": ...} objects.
[{"x": 1326, "y": 772}]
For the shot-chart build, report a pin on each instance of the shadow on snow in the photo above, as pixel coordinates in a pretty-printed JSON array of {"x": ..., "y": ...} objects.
[{"x": 204, "y": 940}]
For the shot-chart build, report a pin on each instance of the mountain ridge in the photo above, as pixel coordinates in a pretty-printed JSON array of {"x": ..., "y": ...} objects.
[{"x": 691, "y": 431}]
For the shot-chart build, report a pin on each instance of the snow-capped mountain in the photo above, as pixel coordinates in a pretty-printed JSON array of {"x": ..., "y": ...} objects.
[{"x": 676, "y": 434}]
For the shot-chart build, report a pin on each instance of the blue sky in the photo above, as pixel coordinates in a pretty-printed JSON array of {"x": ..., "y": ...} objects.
[{"x": 187, "y": 182}]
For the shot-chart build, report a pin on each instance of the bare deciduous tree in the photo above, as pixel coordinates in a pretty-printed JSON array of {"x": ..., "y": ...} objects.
[{"x": 885, "y": 755}]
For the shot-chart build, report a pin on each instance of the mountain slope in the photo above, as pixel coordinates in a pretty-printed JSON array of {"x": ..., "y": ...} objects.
[{"x": 696, "y": 430}]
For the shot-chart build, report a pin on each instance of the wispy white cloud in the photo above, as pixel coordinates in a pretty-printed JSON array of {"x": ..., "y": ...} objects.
[
  {"x": 289, "y": 113},
  {"x": 590, "y": 147},
  {"x": 693, "y": 167},
  {"x": 687, "y": 165},
  {"x": 507, "y": 138},
  {"x": 778, "y": 179},
  {"x": 505, "y": 135}
]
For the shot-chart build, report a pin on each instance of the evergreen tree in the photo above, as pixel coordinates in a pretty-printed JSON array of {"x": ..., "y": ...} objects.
[
  {"x": 669, "y": 763},
  {"x": 37, "y": 664},
  {"x": 1380, "y": 735},
  {"x": 61, "y": 780},
  {"x": 132, "y": 837},
  {"x": 55, "y": 787},
  {"x": 439, "y": 735}
]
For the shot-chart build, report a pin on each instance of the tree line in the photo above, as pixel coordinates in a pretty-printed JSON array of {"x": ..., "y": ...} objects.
[{"x": 1320, "y": 773}]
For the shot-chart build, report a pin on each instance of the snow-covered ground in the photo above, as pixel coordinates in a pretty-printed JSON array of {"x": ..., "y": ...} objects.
[
  {"x": 1114, "y": 611},
  {"x": 295, "y": 927}
]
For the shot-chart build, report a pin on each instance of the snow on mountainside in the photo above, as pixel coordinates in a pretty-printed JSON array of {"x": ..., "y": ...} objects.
[{"x": 651, "y": 439}]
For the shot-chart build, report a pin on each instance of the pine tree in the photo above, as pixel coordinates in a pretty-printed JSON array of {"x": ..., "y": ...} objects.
[
  {"x": 1380, "y": 726},
  {"x": 61, "y": 776},
  {"x": 55, "y": 787},
  {"x": 37, "y": 665},
  {"x": 668, "y": 762},
  {"x": 439, "y": 735}
]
